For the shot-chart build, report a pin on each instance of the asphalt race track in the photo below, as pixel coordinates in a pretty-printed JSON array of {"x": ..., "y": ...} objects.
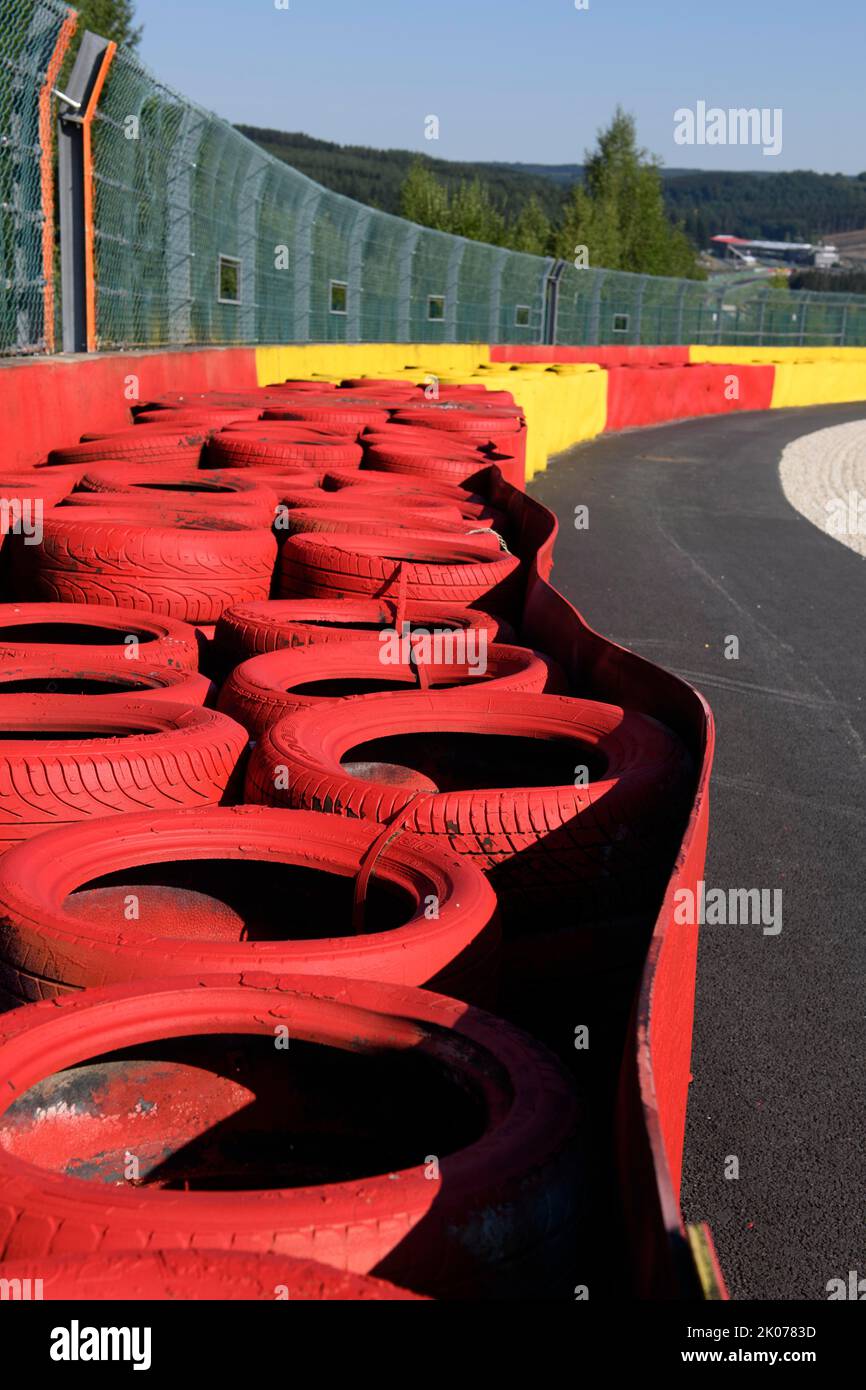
[{"x": 691, "y": 541}]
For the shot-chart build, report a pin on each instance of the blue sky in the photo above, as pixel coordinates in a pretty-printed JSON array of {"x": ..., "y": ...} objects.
[{"x": 528, "y": 80}]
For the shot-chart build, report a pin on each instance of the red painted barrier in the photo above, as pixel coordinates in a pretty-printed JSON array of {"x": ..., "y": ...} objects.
[
  {"x": 47, "y": 403},
  {"x": 649, "y": 395},
  {"x": 655, "y": 1076},
  {"x": 44, "y": 403}
]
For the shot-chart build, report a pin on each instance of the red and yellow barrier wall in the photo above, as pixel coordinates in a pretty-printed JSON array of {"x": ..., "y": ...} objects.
[{"x": 568, "y": 394}]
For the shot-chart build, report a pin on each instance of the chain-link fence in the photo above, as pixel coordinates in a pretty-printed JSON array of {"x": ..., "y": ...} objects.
[
  {"x": 34, "y": 35},
  {"x": 615, "y": 307},
  {"x": 201, "y": 237}
]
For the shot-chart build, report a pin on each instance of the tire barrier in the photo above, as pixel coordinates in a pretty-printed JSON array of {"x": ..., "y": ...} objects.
[
  {"x": 253, "y": 628},
  {"x": 187, "y": 566},
  {"x": 463, "y": 571},
  {"x": 216, "y": 1276},
  {"x": 418, "y": 786},
  {"x": 242, "y": 889},
  {"x": 355, "y": 1191},
  {"x": 102, "y": 676},
  {"x": 78, "y": 634},
  {"x": 603, "y": 788},
  {"x": 65, "y": 759},
  {"x": 267, "y": 688}
]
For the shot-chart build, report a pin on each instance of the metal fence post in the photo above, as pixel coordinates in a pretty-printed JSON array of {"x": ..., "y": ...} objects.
[
  {"x": 404, "y": 282},
  {"x": 452, "y": 290},
  {"x": 75, "y": 107},
  {"x": 303, "y": 261},
  {"x": 843, "y": 331},
  {"x": 494, "y": 331},
  {"x": 638, "y": 307},
  {"x": 179, "y": 269},
  {"x": 355, "y": 291},
  {"x": 550, "y": 318},
  {"x": 249, "y": 319},
  {"x": 595, "y": 306},
  {"x": 681, "y": 306},
  {"x": 763, "y": 315}
]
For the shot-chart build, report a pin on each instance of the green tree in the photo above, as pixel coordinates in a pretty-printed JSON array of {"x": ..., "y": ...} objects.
[
  {"x": 619, "y": 213},
  {"x": 589, "y": 234},
  {"x": 111, "y": 19},
  {"x": 531, "y": 230},
  {"x": 474, "y": 214},
  {"x": 424, "y": 199}
]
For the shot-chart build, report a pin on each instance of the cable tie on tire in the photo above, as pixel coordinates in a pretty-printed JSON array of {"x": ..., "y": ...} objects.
[
  {"x": 485, "y": 531},
  {"x": 369, "y": 858}
]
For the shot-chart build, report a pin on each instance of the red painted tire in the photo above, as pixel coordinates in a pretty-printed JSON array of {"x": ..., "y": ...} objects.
[
  {"x": 166, "y": 509},
  {"x": 440, "y": 467},
  {"x": 403, "y": 485},
  {"x": 266, "y": 688},
  {"x": 237, "y": 889},
  {"x": 250, "y": 629},
  {"x": 47, "y": 486},
  {"x": 100, "y": 676},
  {"x": 359, "y": 500},
  {"x": 408, "y": 522},
  {"x": 140, "y": 443},
  {"x": 205, "y": 418},
  {"x": 340, "y": 416},
  {"x": 513, "y": 806},
  {"x": 135, "y": 755},
  {"x": 189, "y": 1276},
  {"x": 243, "y": 499},
  {"x": 368, "y": 479},
  {"x": 434, "y": 570},
  {"x": 474, "y": 420},
  {"x": 78, "y": 634},
  {"x": 380, "y": 385},
  {"x": 270, "y": 447},
  {"x": 471, "y": 1186},
  {"x": 192, "y": 569},
  {"x": 184, "y": 486},
  {"x": 409, "y": 440}
]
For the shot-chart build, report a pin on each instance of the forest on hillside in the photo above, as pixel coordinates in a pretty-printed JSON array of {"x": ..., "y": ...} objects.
[{"x": 797, "y": 206}]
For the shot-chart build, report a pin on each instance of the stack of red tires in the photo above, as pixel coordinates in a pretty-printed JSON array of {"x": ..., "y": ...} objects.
[{"x": 291, "y": 820}]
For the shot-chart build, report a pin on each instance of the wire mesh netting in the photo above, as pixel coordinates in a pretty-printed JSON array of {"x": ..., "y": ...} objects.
[
  {"x": 29, "y": 34},
  {"x": 615, "y": 307},
  {"x": 202, "y": 237}
]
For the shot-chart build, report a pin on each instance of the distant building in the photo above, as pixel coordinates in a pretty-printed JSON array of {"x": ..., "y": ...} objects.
[{"x": 748, "y": 252}]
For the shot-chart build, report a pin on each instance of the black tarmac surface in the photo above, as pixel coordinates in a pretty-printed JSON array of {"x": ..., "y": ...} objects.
[{"x": 691, "y": 542}]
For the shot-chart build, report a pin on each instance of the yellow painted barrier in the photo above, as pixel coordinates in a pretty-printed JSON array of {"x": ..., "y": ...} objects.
[
  {"x": 819, "y": 383},
  {"x": 562, "y": 406},
  {"x": 564, "y": 403},
  {"x": 338, "y": 360},
  {"x": 560, "y": 409},
  {"x": 699, "y": 352}
]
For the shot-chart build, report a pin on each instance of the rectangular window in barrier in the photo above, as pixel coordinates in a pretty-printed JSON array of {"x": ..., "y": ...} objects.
[
  {"x": 620, "y": 323},
  {"x": 229, "y": 280},
  {"x": 521, "y": 315},
  {"x": 436, "y": 306},
  {"x": 339, "y": 297}
]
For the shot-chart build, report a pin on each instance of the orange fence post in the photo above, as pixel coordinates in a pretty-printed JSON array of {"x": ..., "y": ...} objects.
[
  {"x": 46, "y": 171},
  {"x": 86, "y": 125}
]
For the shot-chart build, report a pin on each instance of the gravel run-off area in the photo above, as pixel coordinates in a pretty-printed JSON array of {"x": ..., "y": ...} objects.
[{"x": 823, "y": 475}]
